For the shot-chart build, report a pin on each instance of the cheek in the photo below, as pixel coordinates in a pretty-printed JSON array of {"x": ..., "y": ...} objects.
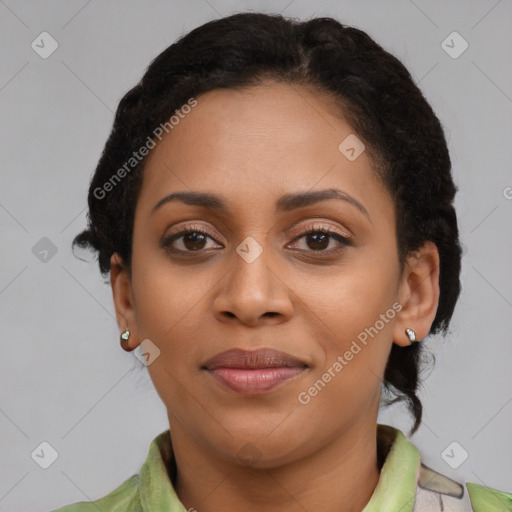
[
  {"x": 356, "y": 341},
  {"x": 166, "y": 303},
  {"x": 167, "y": 295},
  {"x": 353, "y": 320},
  {"x": 352, "y": 299},
  {"x": 168, "y": 308}
]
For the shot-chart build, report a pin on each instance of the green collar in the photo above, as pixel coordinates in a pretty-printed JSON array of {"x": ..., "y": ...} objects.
[
  {"x": 395, "y": 490},
  {"x": 155, "y": 489},
  {"x": 402, "y": 476}
]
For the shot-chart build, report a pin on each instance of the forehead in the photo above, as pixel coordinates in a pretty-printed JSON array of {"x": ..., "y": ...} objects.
[{"x": 257, "y": 143}]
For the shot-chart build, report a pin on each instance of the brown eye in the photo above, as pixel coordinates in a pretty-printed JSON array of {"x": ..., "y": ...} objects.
[
  {"x": 318, "y": 240},
  {"x": 188, "y": 240},
  {"x": 194, "y": 240}
]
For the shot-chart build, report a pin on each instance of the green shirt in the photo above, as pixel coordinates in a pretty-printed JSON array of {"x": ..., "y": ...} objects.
[{"x": 405, "y": 484}]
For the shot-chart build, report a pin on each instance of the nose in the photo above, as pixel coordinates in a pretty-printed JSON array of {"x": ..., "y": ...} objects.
[{"x": 254, "y": 293}]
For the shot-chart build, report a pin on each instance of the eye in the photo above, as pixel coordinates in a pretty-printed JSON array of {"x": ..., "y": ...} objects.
[
  {"x": 190, "y": 239},
  {"x": 319, "y": 238}
]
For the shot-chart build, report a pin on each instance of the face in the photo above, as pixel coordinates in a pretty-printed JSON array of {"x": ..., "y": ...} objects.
[{"x": 272, "y": 261}]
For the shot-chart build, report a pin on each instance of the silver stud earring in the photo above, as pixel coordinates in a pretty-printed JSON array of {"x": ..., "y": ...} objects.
[
  {"x": 411, "y": 335},
  {"x": 125, "y": 335}
]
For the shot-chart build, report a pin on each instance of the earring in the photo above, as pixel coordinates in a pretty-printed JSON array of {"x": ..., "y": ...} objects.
[
  {"x": 124, "y": 340},
  {"x": 411, "y": 335}
]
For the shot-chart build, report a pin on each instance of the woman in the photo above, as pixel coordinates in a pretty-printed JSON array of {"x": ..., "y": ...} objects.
[{"x": 274, "y": 206}]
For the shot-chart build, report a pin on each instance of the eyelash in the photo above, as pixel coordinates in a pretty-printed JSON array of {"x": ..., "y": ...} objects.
[{"x": 342, "y": 240}]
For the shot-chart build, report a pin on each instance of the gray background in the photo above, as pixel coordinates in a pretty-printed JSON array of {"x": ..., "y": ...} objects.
[{"x": 65, "y": 379}]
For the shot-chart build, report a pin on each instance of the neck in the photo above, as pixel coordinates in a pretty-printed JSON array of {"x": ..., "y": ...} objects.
[{"x": 341, "y": 476}]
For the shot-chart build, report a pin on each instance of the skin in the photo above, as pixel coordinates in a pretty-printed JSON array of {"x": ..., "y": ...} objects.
[{"x": 251, "y": 147}]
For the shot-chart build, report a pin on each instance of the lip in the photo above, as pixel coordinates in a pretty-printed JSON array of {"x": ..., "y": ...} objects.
[{"x": 254, "y": 372}]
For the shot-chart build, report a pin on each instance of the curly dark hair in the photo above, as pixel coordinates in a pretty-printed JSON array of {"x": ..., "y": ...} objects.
[{"x": 375, "y": 94}]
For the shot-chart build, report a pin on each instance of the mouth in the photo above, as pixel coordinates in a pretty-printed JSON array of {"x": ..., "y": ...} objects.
[{"x": 254, "y": 372}]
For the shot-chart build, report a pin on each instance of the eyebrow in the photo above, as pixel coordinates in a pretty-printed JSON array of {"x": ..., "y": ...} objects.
[{"x": 285, "y": 203}]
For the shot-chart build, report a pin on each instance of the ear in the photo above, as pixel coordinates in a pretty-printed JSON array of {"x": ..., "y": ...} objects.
[
  {"x": 418, "y": 294},
  {"x": 120, "y": 282}
]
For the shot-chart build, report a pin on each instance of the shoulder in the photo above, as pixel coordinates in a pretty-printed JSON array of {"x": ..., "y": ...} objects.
[
  {"x": 147, "y": 490},
  {"x": 124, "y": 498},
  {"x": 437, "y": 492},
  {"x": 486, "y": 499}
]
